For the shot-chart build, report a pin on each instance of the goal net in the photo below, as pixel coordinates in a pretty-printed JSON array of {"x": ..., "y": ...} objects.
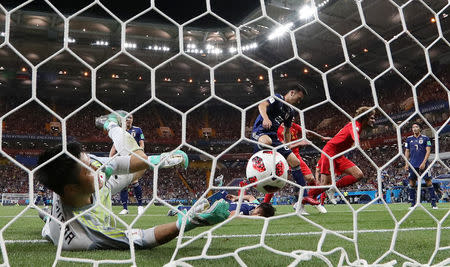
[{"x": 192, "y": 74}]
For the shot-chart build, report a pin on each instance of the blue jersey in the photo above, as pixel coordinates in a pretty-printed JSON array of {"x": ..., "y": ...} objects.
[
  {"x": 278, "y": 113},
  {"x": 417, "y": 149},
  {"x": 137, "y": 133},
  {"x": 246, "y": 208}
]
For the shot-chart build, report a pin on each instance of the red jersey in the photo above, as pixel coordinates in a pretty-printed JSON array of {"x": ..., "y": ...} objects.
[
  {"x": 296, "y": 133},
  {"x": 343, "y": 140}
]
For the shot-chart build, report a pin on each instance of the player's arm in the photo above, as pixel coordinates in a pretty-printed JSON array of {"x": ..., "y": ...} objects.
[
  {"x": 406, "y": 154},
  {"x": 425, "y": 159},
  {"x": 141, "y": 139},
  {"x": 323, "y": 138},
  {"x": 287, "y": 134},
  {"x": 113, "y": 151},
  {"x": 235, "y": 198},
  {"x": 262, "y": 107}
]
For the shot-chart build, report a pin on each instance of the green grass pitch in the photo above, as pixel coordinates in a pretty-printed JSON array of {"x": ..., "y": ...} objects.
[{"x": 416, "y": 240}]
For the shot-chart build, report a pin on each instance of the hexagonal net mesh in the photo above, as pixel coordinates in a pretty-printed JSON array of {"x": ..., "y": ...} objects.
[{"x": 194, "y": 82}]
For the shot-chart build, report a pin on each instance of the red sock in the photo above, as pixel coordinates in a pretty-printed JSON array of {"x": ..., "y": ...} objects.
[
  {"x": 242, "y": 184},
  {"x": 346, "y": 181},
  {"x": 323, "y": 196},
  {"x": 315, "y": 192},
  {"x": 268, "y": 197}
]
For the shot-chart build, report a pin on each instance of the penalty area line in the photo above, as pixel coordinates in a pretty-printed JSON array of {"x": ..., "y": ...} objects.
[{"x": 277, "y": 234}]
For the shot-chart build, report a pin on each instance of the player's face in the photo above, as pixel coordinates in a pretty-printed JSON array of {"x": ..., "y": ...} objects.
[
  {"x": 416, "y": 129},
  {"x": 257, "y": 212},
  {"x": 129, "y": 121},
  {"x": 295, "y": 97},
  {"x": 370, "y": 121},
  {"x": 86, "y": 179}
]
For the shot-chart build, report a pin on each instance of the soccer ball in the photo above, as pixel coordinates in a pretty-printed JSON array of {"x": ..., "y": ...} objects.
[{"x": 261, "y": 165}]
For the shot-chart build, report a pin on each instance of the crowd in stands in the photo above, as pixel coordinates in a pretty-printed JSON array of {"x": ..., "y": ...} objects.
[{"x": 225, "y": 124}]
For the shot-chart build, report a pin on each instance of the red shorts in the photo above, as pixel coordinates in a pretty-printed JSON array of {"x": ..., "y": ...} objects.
[
  {"x": 303, "y": 167},
  {"x": 340, "y": 164}
]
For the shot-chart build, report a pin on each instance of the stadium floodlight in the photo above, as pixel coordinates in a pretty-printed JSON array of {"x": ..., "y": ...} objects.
[
  {"x": 2, "y": 34},
  {"x": 280, "y": 30},
  {"x": 130, "y": 45},
  {"x": 71, "y": 40},
  {"x": 306, "y": 12},
  {"x": 101, "y": 43}
]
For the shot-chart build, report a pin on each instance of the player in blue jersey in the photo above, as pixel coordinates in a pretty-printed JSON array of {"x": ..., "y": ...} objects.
[
  {"x": 138, "y": 135},
  {"x": 272, "y": 113},
  {"x": 417, "y": 151},
  {"x": 250, "y": 206},
  {"x": 41, "y": 195}
]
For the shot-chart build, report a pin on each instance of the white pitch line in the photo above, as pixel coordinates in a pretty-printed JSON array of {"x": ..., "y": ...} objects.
[
  {"x": 161, "y": 215},
  {"x": 319, "y": 233},
  {"x": 129, "y": 215},
  {"x": 26, "y": 241},
  {"x": 279, "y": 234}
]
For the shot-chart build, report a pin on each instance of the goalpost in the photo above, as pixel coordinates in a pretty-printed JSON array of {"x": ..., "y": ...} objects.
[{"x": 310, "y": 13}]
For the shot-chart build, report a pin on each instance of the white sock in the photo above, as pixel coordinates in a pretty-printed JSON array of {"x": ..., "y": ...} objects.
[{"x": 120, "y": 165}]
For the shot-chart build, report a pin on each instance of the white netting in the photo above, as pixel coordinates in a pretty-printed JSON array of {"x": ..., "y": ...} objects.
[{"x": 241, "y": 44}]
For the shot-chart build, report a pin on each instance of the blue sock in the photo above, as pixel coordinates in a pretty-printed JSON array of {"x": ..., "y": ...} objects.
[
  {"x": 412, "y": 195},
  {"x": 124, "y": 198},
  {"x": 299, "y": 179},
  {"x": 44, "y": 199},
  {"x": 432, "y": 195},
  {"x": 38, "y": 199},
  {"x": 138, "y": 193}
]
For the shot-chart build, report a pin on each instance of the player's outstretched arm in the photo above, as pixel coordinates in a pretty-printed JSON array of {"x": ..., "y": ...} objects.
[{"x": 323, "y": 138}]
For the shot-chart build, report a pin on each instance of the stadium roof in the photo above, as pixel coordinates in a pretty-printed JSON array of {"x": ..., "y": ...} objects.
[{"x": 95, "y": 37}]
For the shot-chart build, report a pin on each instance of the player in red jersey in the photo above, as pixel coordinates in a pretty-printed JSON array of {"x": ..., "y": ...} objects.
[
  {"x": 296, "y": 133},
  {"x": 342, "y": 141}
]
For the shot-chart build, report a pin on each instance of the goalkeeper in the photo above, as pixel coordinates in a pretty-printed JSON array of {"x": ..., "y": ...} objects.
[{"x": 73, "y": 185}]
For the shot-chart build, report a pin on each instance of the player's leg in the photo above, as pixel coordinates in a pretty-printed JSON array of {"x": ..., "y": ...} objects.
[
  {"x": 265, "y": 139},
  {"x": 430, "y": 188},
  {"x": 38, "y": 200},
  {"x": 124, "y": 201},
  {"x": 354, "y": 174},
  {"x": 299, "y": 178},
  {"x": 412, "y": 188},
  {"x": 325, "y": 176},
  {"x": 137, "y": 190},
  {"x": 44, "y": 199}
]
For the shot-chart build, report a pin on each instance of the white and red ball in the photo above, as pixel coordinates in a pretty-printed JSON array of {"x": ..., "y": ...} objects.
[{"x": 263, "y": 164}]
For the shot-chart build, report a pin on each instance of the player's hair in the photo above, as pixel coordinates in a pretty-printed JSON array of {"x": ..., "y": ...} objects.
[
  {"x": 299, "y": 88},
  {"x": 361, "y": 110},
  {"x": 267, "y": 209},
  {"x": 61, "y": 171},
  {"x": 418, "y": 124}
]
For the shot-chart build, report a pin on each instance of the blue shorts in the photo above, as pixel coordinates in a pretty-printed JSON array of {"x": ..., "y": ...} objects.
[
  {"x": 284, "y": 150},
  {"x": 413, "y": 176}
]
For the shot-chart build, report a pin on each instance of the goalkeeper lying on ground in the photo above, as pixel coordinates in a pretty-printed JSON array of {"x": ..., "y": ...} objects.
[{"x": 73, "y": 185}]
